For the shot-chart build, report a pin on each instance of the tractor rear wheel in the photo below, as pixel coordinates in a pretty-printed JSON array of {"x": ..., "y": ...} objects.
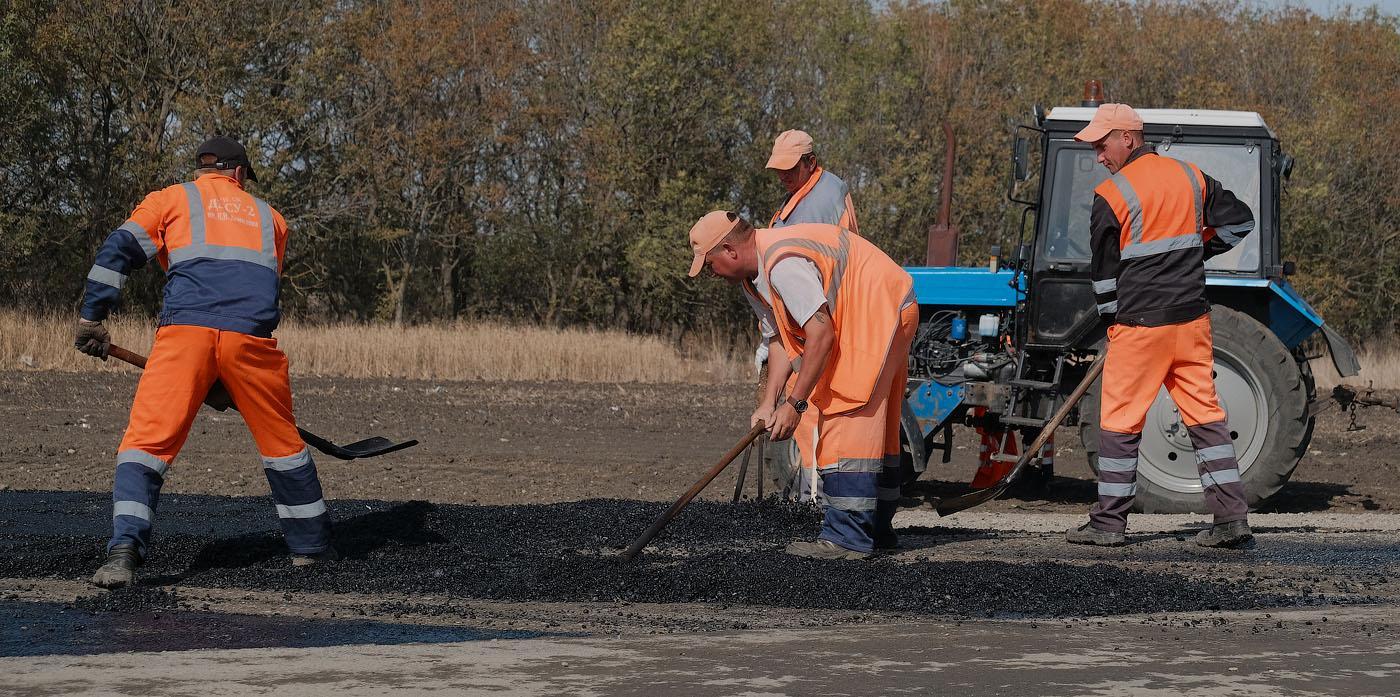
[{"x": 1265, "y": 393}]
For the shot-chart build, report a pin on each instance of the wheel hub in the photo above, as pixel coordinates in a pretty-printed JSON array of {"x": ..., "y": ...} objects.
[{"x": 1167, "y": 457}]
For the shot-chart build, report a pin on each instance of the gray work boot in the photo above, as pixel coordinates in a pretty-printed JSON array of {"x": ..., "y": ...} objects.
[
  {"x": 1087, "y": 534},
  {"x": 325, "y": 555},
  {"x": 823, "y": 549},
  {"x": 119, "y": 569},
  {"x": 1233, "y": 534}
]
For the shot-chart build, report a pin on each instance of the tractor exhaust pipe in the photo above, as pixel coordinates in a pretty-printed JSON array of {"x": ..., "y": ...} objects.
[{"x": 942, "y": 247}]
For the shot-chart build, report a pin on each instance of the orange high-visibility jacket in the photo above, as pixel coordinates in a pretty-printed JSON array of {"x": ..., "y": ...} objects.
[
  {"x": 1153, "y": 225},
  {"x": 865, "y": 291},
  {"x": 221, "y": 248}
]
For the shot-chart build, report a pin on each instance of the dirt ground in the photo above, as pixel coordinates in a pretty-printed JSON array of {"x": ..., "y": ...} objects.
[
  {"x": 501, "y": 443},
  {"x": 484, "y": 561}
]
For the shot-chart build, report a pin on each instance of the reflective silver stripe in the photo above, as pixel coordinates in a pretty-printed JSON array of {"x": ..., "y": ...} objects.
[
  {"x": 106, "y": 276},
  {"x": 196, "y": 204},
  {"x": 855, "y": 464},
  {"x": 1233, "y": 234},
  {"x": 1215, "y": 452},
  {"x": 1106, "y": 286},
  {"x": 306, "y": 510},
  {"x": 142, "y": 457},
  {"x": 839, "y": 253},
  {"x": 796, "y": 363},
  {"x": 888, "y": 494},
  {"x": 210, "y": 251},
  {"x": 1134, "y": 204},
  {"x": 1162, "y": 246},
  {"x": 199, "y": 248},
  {"x": 143, "y": 238},
  {"x": 851, "y": 503},
  {"x": 1229, "y": 476},
  {"x": 132, "y": 508},
  {"x": 1120, "y": 490},
  {"x": 1117, "y": 464},
  {"x": 1108, "y": 308},
  {"x": 288, "y": 462},
  {"x": 1196, "y": 196}
]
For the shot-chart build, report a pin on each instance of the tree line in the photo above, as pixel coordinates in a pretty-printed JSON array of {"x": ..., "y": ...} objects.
[{"x": 541, "y": 160}]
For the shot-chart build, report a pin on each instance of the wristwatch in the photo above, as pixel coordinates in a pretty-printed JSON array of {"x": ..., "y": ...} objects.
[{"x": 798, "y": 405}]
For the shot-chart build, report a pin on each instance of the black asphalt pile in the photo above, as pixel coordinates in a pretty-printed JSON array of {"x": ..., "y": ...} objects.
[{"x": 714, "y": 553}]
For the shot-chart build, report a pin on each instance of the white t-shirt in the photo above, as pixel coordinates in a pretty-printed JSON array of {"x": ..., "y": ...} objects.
[{"x": 799, "y": 283}]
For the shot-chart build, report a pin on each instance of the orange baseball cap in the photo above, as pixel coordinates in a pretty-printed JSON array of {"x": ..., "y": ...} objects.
[
  {"x": 788, "y": 148},
  {"x": 707, "y": 233},
  {"x": 1109, "y": 117}
]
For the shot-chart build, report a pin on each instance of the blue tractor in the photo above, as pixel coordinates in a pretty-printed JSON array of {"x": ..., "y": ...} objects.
[{"x": 999, "y": 346}]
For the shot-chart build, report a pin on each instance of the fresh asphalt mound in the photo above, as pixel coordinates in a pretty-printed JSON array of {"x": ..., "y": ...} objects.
[{"x": 714, "y": 553}]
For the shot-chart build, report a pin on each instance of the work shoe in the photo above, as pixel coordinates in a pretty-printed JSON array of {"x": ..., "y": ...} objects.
[
  {"x": 823, "y": 549},
  {"x": 119, "y": 569},
  {"x": 325, "y": 555},
  {"x": 1087, "y": 534},
  {"x": 887, "y": 543},
  {"x": 1232, "y": 534}
]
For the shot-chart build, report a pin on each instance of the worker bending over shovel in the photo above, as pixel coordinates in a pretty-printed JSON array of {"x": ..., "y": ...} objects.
[
  {"x": 845, "y": 315},
  {"x": 222, "y": 250}
]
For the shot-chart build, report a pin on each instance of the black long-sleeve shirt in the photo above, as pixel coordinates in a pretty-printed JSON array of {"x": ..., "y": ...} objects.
[{"x": 1165, "y": 288}]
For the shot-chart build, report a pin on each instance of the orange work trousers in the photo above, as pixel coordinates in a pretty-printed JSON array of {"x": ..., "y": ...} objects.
[
  {"x": 1141, "y": 360},
  {"x": 858, "y": 454},
  {"x": 185, "y": 362}
]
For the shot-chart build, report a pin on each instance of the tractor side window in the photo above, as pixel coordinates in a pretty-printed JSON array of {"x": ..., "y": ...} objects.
[
  {"x": 1236, "y": 167},
  {"x": 1071, "y": 198}
]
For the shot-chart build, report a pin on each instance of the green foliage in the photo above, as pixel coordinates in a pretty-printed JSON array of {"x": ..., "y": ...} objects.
[{"x": 543, "y": 159}]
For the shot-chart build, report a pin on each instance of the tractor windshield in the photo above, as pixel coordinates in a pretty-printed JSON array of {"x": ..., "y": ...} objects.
[{"x": 1076, "y": 173}]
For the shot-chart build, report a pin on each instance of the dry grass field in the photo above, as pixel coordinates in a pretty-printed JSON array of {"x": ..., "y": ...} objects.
[
  {"x": 490, "y": 351},
  {"x": 463, "y": 351}
]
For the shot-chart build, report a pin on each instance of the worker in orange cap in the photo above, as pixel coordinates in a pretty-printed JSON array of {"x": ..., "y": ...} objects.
[
  {"x": 845, "y": 316},
  {"x": 1153, "y": 224},
  {"x": 222, "y": 251},
  {"x": 814, "y": 195}
]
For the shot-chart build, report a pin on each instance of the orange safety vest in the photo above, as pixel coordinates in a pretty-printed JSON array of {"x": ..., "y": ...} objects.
[
  {"x": 1156, "y": 213},
  {"x": 865, "y": 291}
]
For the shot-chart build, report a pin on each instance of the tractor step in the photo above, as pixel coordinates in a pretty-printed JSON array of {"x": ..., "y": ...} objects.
[
  {"x": 1023, "y": 421},
  {"x": 1034, "y": 384}
]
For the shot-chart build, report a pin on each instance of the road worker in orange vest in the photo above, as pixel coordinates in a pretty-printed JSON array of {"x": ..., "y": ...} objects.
[
  {"x": 846, "y": 316},
  {"x": 1153, "y": 224},
  {"x": 814, "y": 195},
  {"x": 222, "y": 251}
]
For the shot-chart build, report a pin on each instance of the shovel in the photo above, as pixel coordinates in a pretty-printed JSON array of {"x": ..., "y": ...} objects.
[
  {"x": 977, "y": 498},
  {"x": 695, "y": 489},
  {"x": 219, "y": 399}
]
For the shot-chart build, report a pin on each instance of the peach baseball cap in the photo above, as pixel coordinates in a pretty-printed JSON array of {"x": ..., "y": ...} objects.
[
  {"x": 707, "y": 233},
  {"x": 1109, "y": 117},
  {"x": 788, "y": 148}
]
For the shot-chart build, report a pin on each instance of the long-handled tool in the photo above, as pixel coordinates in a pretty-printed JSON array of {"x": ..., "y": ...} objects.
[
  {"x": 967, "y": 501},
  {"x": 743, "y": 474},
  {"x": 675, "y": 509},
  {"x": 218, "y": 399}
]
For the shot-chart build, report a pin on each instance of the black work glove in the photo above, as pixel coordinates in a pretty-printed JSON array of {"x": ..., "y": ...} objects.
[{"x": 92, "y": 338}]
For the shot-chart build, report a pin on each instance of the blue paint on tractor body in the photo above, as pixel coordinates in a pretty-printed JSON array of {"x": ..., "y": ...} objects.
[
  {"x": 933, "y": 402},
  {"x": 963, "y": 287}
]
